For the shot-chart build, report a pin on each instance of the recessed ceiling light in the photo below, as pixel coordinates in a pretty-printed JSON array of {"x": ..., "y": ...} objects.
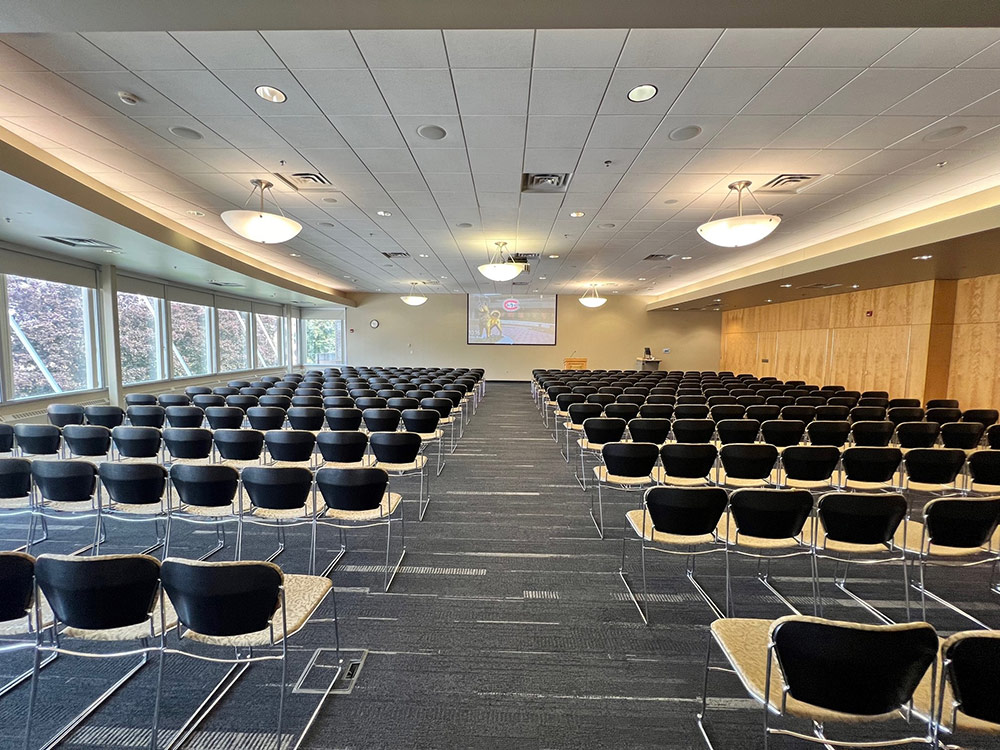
[
  {"x": 676, "y": 308},
  {"x": 770, "y": 300},
  {"x": 444, "y": 277},
  {"x": 685, "y": 257},
  {"x": 642, "y": 278},
  {"x": 196, "y": 213},
  {"x": 432, "y": 132},
  {"x": 553, "y": 257},
  {"x": 295, "y": 255},
  {"x": 855, "y": 286},
  {"x": 109, "y": 251},
  {"x": 945, "y": 133},
  {"x": 605, "y": 226},
  {"x": 685, "y": 133},
  {"x": 271, "y": 94},
  {"x": 922, "y": 257},
  {"x": 576, "y": 214},
  {"x": 941, "y": 164},
  {"x": 384, "y": 213},
  {"x": 187, "y": 133},
  {"x": 542, "y": 278},
  {"x": 127, "y": 97},
  {"x": 786, "y": 286},
  {"x": 465, "y": 225},
  {"x": 424, "y": 255},
  {"x": 329, "y": 200},
  {"x": 716, "y": 300},
  {"x": 642, "y": 93}
]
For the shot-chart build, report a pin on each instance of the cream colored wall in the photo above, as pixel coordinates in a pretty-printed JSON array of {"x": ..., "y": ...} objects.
[{"x": 610, "y": 337}]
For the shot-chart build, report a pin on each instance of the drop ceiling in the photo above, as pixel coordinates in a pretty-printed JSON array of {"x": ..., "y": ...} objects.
[{"x": 892, "y": 120}]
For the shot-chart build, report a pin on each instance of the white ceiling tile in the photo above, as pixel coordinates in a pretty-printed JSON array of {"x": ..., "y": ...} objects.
[
  {"x": 831, "y": 160},
  {"x": 583, "y": 201},
  {"x": 643, "y": 182},
  {"x": 123, "y": 160},
  {"x": 498, "y": 200},
  {"x": 497, "y": 131},
  {"x": 369, "y": 131},
  {"x": 61, "y": 52},
  {"x": 489, "y": 48},
  {"x": 567, "y": 91},
  {"x": 229, "y": 50},
  {"x": 417, "y": 91},
  {"x": 668, "y": 82},
  {"x": 499, "y": 182},
  {"x": 198, "y": 92},
  {"x": 551, "y": 159},
  {"x": 312, "y": 49},
  {"x": 938, "y": 48},
  {"x": 611, "y": 160},
  {"x": 279, "y": 159},
  {"x": 243, "y": 83},
  {"x": 387, "y": 159},
  {"x": 709, "y": 161},
  {"x": 848, "y": 48},
  {"x": 124, "y": 132},
  {"x": 673, "y": 126},
  {"x": 578, "y": 48},
  {"x": 951, "y": 92},
  {"x": 15, "y": 105},
  {"x": 242, "y": 132},
  {"x": 881, "y": 132},
  {"x": 228, "y": 160},
  {"x": 452, "y": 124},
  {"x": 494, "y": 160},
  {"x": 63, "y": 132},
  {"x": 884, "y": 162},
  {"x": 145, "y": 50},
  {"x": 593, "y": 182},
  {"x": 988, "y": 58},
  {"x": 161, "y": 126},
  {"x": 876, "y": 90},
  {"x": 799, "y": 90},
  {"x": 720, "y": 91},
  {"x": 56, "y": 94},
  {"x": 105, "y": 85},
  {"x": 409, "y": 48},
  {"x": 442, "y": 159},
  {"x": 306, "y": 132},
  {"x": 622, "y": 131},
  {"x": 986, "y": 107},
  {"x": 554, "y": 131},
  {"x": 343, "y": 92},
  {"x": 451, "y": 181},
  {"x": 667, "y": 48},
  {"x": 752, "y": 131},
  {"x": 818, "y": 131},
  {"x": 12, "y": 60},
  {"x": 81, "y": 161},
  {"x": 493, "y": 91},
  {"x": 401, "y": 182},
  {"x": 757, "y": 47}
]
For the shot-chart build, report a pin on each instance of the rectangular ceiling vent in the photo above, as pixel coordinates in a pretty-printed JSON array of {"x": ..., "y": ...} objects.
[
  {"x": 519, "y": 283},
  {"x": 820, "y": 285},
  {"x": 789, "y": 183},
  {"x": 545, "y": 182},
  {"x": 395, "y": 254},
  {"x": 226, "y": 284},
  {"x": 305, "y": 182},
  {"x": 524, "y": 257},
  {"x": 660, "y": 256},
  {"x": 82, "y": 242}
]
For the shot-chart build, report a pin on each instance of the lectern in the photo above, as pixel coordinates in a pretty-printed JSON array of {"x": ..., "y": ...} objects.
[
  {"x": 647, "y": 365},
  {"x": 575, "y": 363}
]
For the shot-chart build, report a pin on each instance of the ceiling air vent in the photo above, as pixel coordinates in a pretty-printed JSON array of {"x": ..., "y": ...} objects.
[
  {"x": 231, "y": 284},
  {"x": 660, "y": 256},
  {"x": 396, "y": 254},
  {"x": 305, "y": 182},
  {"x": 545, "y": 182},
  {"x": 519, "y": 283},
  {"x": 82, "y": 242},
  {"x": 789, "y": 183},
  {"x": 820, "y": 285}
]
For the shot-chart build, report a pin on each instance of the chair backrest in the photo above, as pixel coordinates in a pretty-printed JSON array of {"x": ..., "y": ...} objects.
[
  {"x": 395, "y": 447},
  {"x": 942, "y": 403},
  {"x": 649, "y": 430},
  {"x": 964, "y": 435},
  {"x": 861, "y": 518},
  {"x": 783, "y": 432},
  {"x": 693, "y": 430},
  {"x": 277, "y": 487},
  {"x": 934, "y": 465},
  {"x": 140, "y": 399},
  {"x": 101, "y": 592},
  {"x": 222, "y": 598},
  {"x": 173, "y": 399},
  {"x": 421, "y": 421},
  {"x": 833, "y": 433},
  {"x": 851, "y": 668},
  {"x": 61, "y": 415},
  {"x": 228, "y": 417},
  {"x": 146, "y": 415},
  {"x": 203, "y": 401},
  {"x": 899, "y": 414},
  {"x": 737, "y": 430},
  {"x": 872, "y": 433},
  {"x": 38, "y": 439},
  {"x": 770, "y": 513},
  {"x": 342, "y": 446},
  {"x": 15, "y": 478},
  {"x": 306, "y": 417},
  {"x": 986, "y": 417},
  {"x": 810, "y": 463},
  {"x": 352, "y": 489},
  {"x": 185, "y": 416},
  {"x": 691, "y": 411},
  {"x": 87, "y": 439},
  {"x": 134, "y": 484},
  {"x": 686, "y": 511},
  {"x": 630, "y": 459},
  {"x": 917, "y": 434},
  {"x": 290, "y": 445},
  {"x": 206, "y": 485},
  {"x": 972, "y": 668},
  {"x": 867, "y": 414},
  {"x": 239, "y": 445},
  {"x": 402, "y": 403},
  {"x": 871, "y": 464},
  {"x": 442, "y": 406},
  {"x": 17, "y": 585},
  {"x": 963, "y": 522},
  {"x": 137, "y": 442},
  {"x": 600, "y": 430},
  {"x": 381, "y": 419},
  {"x": 832, "y": 412},
  {"x": 984, "y": 467},
  {"x": 748, "y": 460}
]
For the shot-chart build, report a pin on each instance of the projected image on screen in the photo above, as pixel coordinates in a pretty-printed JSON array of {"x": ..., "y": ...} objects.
[{"x": 512, "y": 319}]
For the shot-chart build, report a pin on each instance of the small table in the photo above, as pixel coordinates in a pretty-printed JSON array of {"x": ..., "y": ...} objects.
[
  {"x": 575, "y": 363},
  {"x": 647, "y": 365}
]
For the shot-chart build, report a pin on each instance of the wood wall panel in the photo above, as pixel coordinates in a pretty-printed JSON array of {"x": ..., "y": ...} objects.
[
  {"x": 815, "y": 356},
  {"x": 973, "y": 380},
  {"x": 978, "y": 300},
  {"x": 887, "y": 358},
  {"x": 740, "y": 352},
  {"x": 767, "y": 349},
  {"x": 848, "y": 350}
]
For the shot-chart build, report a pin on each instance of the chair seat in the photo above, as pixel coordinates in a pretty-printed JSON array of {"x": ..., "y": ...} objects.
[
  {"x": 854, "y": 484},
  {"x": 446, "y": 420},
  {"x": 137, "y": 460},
  {"x": 661, "y": 477},
  {"x": 755, "y": 542},
  {"x": 390, "y": 501},
  {"x": 83, "y": 506},
  {"x": 189, "y": 461},
  {"x": 823, "y": 543},
  {"x": 914, "y": 533},
  {"x": 807, "y": 484},
  {"x": 307, "y": 464},
  {"x": 589, "y": 446},
  {"x": 238, "y": 464},
  {"x": 279, "y": 513},
  {"x": 15, "y": 503},
  {"x": 741, "y": 482},
  {"x": 416, "y": 465},
  {"x": 573, "y": 426},
  {"x": 208, "y": 511},
  {"x": 428, "y": 436},
  {"x": 601, "y": 472},
  {"x": 744, "y": 642},
  {"x": 927, "y": 487},
  {"x": 20, "y": 626},
  {"x": 136, "y": 509},
  {"x": 642, "y": 524},
  {"x": 129, "y": 632},
  {"x": 365, "y": 462}
]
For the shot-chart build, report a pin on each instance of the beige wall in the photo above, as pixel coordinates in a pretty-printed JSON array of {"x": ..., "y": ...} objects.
[{"x": 609, "y": 337}]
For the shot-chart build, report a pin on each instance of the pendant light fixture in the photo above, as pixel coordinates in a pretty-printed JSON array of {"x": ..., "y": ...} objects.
[
  {"x": 591, "y": 298},
  {"x": 501, "y": 266},
  {"x": 261, "y": 226},
  {"x": 413, "y": 299},
  {"x": 740, "y": 230}
]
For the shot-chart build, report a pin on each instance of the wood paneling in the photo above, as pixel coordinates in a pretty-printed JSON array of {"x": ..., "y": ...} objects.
[
  {"x": 848, "y": 350},
  {"x": 973, "y": 378},
  {"x": 740, "y": 352}
]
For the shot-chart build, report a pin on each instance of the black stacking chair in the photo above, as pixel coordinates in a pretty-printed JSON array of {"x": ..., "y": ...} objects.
[
  {"x": 190, "y": 445},
  {"x": 360, "y": 498},
  {"x": 737, "y": 430},
  {"x": 956, "y": 532},
  {"x": 185, "y": 416},
  {"x": 780, "y": 401},
  {"x": 370, "y": 402},
  {"x": 38, "y": 440},
  {"x": 345, "y": 418},
  {"x": 809, "y": 466},
  {"x": 656, "y": 411},
  {"x": 343, "y": 449},
  {"x": 290, "y": 447},
  {"x": 867, "y": 414},
  {"x": 986, "y": 417},
  {"x": 596, "y": 433},
  {"x": 280, "y": 402},
  {"x": 289, "y": 392},
  {"x": 225, "y": 417},
  {"x": 873, "y": 401},
  {"x": 137, "y": 444},
  {"x": 992, "y": 437},
  {"x": 306, "y": 418},
  {"x": 64, "y": 489},
  {"x": 676, "y": 521},
  {"x": 140, "y": 399},
  {"x": 942, "y": 403},
  {"x": 146, "y": 415},
  {"x": 203, "y": 400},
  {"x": 860, "y": 528},
  {"x": 86, "y": 441},
  {"x": 872, "y": 434},
  {"x": 747, "y": 464},
  {"x": 101, "y": 600},
  {"x": 917, "y": 434},
  {"x": 402, "y": 403},
  {"x": 61, "y": 415},
  {"x": 105, "y": 416},
  {"x": 239, "y": 448},
  {"x": 280, "y": 496},
  {"x": 870, "y": 468},
  {"x": 265, "y": 418},
  {"x": 424, "y": 422},
  {"x": 173, "y": 399},
  {"x": 253, "y": 391},
  {"x": 17, "y": 597},
  {"x": 6, "y": 439},
  {"x": 649, "y": 430},
  {"x": 226, "y": 391},
  {"x": 899, "y": 414},
  {"x": 381, "y": 419},
  {"x": 686, "y": 464},
  {"x": 727, "y": 411},
  {"x": 762, "y": 412},
  {"x": 943, "y": 415},
  {"x": 691, "y": 411},
  {"x": 135, "y": 492},
  {"x": 828, "y": 412},
  {"x": 767, "y": 524},
  {"x": 970, "y": 682},
  {"x": 859, "y": 673},
  {"x": 693, "y": 430},
  {"x": 964, "y": 435},
  {"x": 398, "y": 454},
  {"x": 206, "y": 494},
  {"x": 984, "y": 472},
  {"x": 249, "y": 608},
  {"x": 833, "y": 433},
  {"x": 577, "y": 414},
  {"x": 783, "y": 433},
  {"x": 626, "y": 467},
  {"x": 933, "y": 469}
]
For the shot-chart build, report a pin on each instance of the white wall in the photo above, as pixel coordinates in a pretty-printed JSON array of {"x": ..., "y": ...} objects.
[{"x": 609, "y": 337}]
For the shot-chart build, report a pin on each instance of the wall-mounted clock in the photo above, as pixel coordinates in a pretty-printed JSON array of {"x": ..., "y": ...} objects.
[{"x": 373, "y": 323}]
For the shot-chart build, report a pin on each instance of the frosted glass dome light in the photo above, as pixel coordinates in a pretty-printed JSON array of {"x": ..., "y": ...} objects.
[
  {"x": 740, "y": 230},
  {"x": 412, "y": 298},
  {"x": 261, "y": 226},
  {"x": 591, "y": 298},
  {"x": 500, "y": 266}
]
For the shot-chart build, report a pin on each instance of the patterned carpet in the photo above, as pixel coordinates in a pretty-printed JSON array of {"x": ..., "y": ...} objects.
[{"x": 508, "y": 625}]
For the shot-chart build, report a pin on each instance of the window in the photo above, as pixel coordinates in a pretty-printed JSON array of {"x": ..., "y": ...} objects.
[
  {"x": 324, "y": 342},
  {"x": 268, "y": 328},
  {"x": 51, "y": 337},
  {"x": 294, "y": 331},
  {"x": 139, "y": 336},
  {"x": 234, "y": 340},
  {"x": 191, "y": 345}
]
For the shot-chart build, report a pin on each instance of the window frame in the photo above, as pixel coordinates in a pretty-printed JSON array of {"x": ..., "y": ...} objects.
[{"x": 160, "y": 334}]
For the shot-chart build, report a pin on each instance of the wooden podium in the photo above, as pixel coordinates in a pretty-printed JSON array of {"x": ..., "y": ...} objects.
[
  {"x": 575, "y": 363},
  {"x": 647, "y": 365}
]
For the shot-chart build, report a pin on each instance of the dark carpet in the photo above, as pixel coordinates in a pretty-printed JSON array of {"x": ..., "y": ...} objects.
[{"x": 508, "y": 626}]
